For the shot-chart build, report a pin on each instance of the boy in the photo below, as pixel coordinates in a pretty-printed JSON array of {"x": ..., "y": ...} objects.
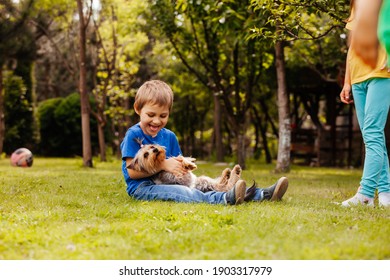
[{"x": 153, "y": 104}]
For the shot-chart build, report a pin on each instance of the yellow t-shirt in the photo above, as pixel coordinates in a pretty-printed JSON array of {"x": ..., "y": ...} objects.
[{"x": 360, "y": 71}]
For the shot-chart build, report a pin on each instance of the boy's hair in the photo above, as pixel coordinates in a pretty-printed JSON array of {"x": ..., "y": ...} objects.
[{"x": 154, "y": 92}]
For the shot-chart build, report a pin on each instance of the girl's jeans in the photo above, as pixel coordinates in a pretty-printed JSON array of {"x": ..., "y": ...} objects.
[
  {"x": 372, "y": 101},
  {"x": 178, "y": 193}
]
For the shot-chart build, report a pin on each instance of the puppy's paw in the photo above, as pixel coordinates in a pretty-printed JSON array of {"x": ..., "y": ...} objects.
[
  {"x": 237, "y": 170},
  {"x": 189, "y": 163}
]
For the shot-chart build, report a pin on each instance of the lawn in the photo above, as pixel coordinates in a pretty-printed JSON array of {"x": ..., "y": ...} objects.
[{"x": 58, "y": 210}]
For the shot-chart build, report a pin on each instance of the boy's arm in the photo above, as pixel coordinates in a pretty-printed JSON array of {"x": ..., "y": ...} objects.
[
  {"x": 134, "y": 174},
  {"x": 172, "y": 165}
]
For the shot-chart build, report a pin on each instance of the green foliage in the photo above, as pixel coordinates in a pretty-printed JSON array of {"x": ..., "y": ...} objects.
[
  {"x": 320, "y": 40},
  {"x": 121, "y": 42},
  {"x": 60, "y": 126},
  {"x": 209, "y": 39},
  {"x": 297, "y": 19},
  {"x": 18, "y": 115},
  {"x": 192, "y": 100},
  {"x": 140, "y": 40},
  {"x": 50, "y": 130},
  {"x": 58, "y": 210},
  {"x": 16, "y": 36}
]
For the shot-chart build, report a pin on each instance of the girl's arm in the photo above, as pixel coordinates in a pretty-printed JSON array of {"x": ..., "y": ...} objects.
[
  {"x": 346, "y": 92},
  {"x": 365, "y": 38}
]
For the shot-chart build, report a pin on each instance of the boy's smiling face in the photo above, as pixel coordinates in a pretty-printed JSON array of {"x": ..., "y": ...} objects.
[{"x": 153, "y": 118}]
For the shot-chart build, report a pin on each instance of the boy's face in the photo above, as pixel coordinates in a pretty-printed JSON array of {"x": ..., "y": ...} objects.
[{"x": 153, "y": 118}]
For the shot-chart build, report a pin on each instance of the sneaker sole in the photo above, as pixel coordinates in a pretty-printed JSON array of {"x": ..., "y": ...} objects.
[
  {"x": 280, "y": 189},
  {"x": 240, "y": 191}
]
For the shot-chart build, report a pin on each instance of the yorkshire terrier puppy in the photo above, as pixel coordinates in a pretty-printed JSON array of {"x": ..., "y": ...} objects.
[{"x": 149, "y": 158}]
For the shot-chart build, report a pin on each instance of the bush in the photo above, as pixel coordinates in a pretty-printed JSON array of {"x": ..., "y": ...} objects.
[
  {"x": 19, "y": 119},
  {"x": 60, "y": 127}
]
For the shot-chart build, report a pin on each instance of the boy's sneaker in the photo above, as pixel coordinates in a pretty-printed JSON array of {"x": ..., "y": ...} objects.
[
  {"x": 276, "y": 191},
  {"x": 358, "y": 199},
  {"x": 237, "y": 194},
  {"x": 384, "y": 199}
]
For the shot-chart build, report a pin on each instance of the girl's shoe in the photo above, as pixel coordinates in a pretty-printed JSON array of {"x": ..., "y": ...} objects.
[
  {"x": 358, "y": 199},
  {"x": 384, "y": 199}
]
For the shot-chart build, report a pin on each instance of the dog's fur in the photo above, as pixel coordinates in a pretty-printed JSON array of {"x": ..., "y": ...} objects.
[{"x": 149, "y": 158}]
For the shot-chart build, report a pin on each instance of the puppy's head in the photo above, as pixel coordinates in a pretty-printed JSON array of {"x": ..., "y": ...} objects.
[{"x": 148, "y": 158}]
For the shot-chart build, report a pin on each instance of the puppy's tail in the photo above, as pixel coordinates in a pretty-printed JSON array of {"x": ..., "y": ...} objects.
[{"x": 250, "y": 192}]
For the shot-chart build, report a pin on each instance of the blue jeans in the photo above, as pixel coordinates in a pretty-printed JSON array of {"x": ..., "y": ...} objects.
[
  {"x": 372, "y": 101},
  {"x": 178, "y": 193}
]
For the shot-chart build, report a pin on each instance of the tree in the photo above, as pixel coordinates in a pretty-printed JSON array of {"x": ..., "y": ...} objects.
[
  {"x": 85, "y": 106},
  {"x": 209, "y": 39},
  {"x": 14, "y": 38},
  {"x": 119, "y": 46},
  {"x": 286, "y": 22},
  {"x": 283, "y": 159}
]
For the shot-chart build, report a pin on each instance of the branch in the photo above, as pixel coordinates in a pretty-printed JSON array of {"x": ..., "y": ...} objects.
[
  {"x": 196, "y": 73},
  {"x": 57, "y": 49}
]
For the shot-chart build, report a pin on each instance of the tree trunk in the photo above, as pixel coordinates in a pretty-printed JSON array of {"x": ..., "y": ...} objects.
[
  {"x": 85, "y": 107},
  {"x": 102, "y": 142},
  {"x": 2, "y": 122},
  {"x": 217, "y": 129},
  {"x": 283, "y": 160},
  {"x": 241, "y": 154},
  {"x": 263, "y": 130}
]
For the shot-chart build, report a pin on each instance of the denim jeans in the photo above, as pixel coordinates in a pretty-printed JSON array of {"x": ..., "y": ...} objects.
[
  {"x": 178, "y": 193},
  {"x": 372, "y": 101}
]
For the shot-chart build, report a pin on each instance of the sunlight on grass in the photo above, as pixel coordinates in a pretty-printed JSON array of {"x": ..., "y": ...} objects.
[{"x": 59, "y": 210}]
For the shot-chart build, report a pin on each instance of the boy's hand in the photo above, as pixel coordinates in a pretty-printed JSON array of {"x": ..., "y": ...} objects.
[{"x": 175, "y": 166}]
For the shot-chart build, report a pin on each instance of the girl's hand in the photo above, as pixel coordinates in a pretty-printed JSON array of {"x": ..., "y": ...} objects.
[
  {"x": 386, "y": 66},
  {"x": 346, "y": 94}
]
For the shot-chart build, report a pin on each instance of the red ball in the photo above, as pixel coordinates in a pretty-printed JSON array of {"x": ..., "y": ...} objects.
[{"x": 22, "y": 157}]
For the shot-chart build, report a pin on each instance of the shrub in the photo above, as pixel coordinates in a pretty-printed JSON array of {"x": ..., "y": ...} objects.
[
  {"x": 60, "y": 127},
  {"x": 18, "y": 116}
]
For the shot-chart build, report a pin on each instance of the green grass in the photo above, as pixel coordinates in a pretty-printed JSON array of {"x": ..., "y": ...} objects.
[{"x": 58, "y": 210}]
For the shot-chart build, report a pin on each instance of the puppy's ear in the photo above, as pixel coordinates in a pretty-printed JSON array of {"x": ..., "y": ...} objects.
[{"x": 132, "y": 164}]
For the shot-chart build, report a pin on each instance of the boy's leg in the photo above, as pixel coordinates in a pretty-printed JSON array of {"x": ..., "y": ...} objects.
[
  {"x": 272, "y": 193},
  {"x": 178, "y": 193}
]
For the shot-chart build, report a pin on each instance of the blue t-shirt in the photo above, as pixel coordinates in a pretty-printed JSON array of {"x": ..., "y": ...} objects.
[{"x": 129, "y": 148}]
